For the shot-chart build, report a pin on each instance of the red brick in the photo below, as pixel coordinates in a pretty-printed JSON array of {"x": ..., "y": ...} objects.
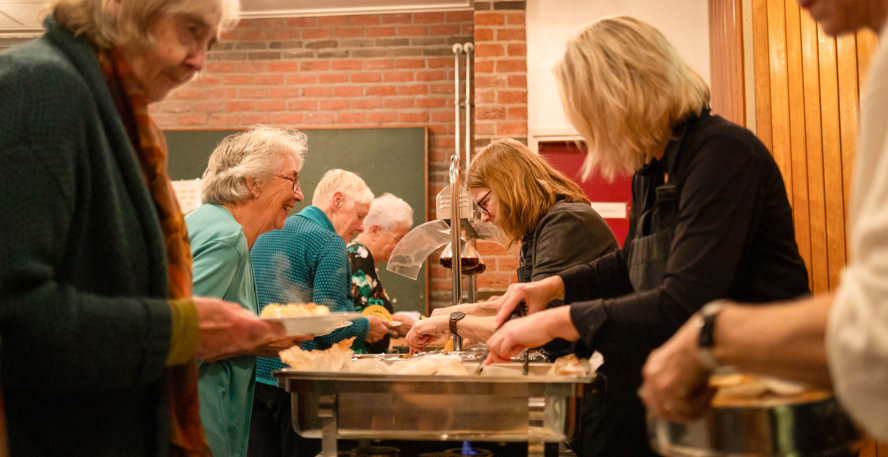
[
  {"x": 299, "y": 22},
  {"x": 270, "y": 105},
  {"x": 517, "y": 113},
  {"x": 498, "y": 281},
  {"x": 381, "y": 117},
  {"x": 428, "y": 18},
  {"x": 409, "y": 63},
  {"x": 441, "y": 88},
  {"x": 228, "y": 35},
  {"x": 417, "y": 117},
  {"x": 413, "y": 89},
  {"x": 237, "y": 80},
  {"x": 511, "y": 97},
  {"x": 440, "y": 62},
  {"x": 517, "y": 81},
  {"x": 192, "y": 119},
  {"x": 378, "y": 64},
  {"x": 255, "y": 93},
  {"x": 270, "y": 79},
  {"x": 332, "y": 78},
  {"x": 316, "y": 34},
  {"x": 483, "y": 50},
  {"x": 489, "y": 19},
  {"x": 482, "y": 35},
  {"x": 516, "y": 50},
  {"x": 366, "y": 77},
  {"x": 185, "y": 93},
  {"x": 519, "y": 19},
  {"x": 397, "y": 103},
  {"x": 511, "y": 34},
  {"x": 288, "y": 119},
  {"x": 319, "y": 118},
  {"x": 381, "y": 32},
  {"x": 218, "y": 66},
  {"x": 431, "y": 76},
  {"x": 445, "y": 30},
  {"x": 284, "y": 66},
  {"x": 172, "y": 106},
  {"x": 302, "y": 78},
  {"x": 325, "y": 21},
  {"x": 205, "y": 80},
  {"x": 252, "y": 35},
  {"x": 284, "y": 92},
  {"x": 286, "y": 35},
  {"x": 334, "y": 105},
  {"x": 490, "y": 81},
  {"x": 348, "y": 91},
  {"x": 364, "y": 19},
  {"x": 224, "y": 120},
  {"x": 381, "y": 91},
  {"x": 412, "y": 30},
  {"x": 321, "y": 91},
  {"x": 239, "y": 105},
  {"x": 459, "y": 16},
  {"x": 349, "y": 32},
  {"x": 397, "y": 76},
  {"x": 223, "y": 93},
  {"x": 484, "y": 66},
  {"x": 351, "y": 118},
  {"x": 511, "y": 66},
  {"x": 396, "y": 18},
  {"x": 346, "y": 65},
  {"x": 426, "y": 102},
  {"x": 366, "y": 103},
  {"x": 315, "y": 66},
  {"x": 252, "y": 67},
  {"x": 302, "y": 105},
  {"x": 511, "y": 128}
]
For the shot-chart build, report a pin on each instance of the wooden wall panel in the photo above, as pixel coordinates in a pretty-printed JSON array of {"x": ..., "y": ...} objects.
[{"x": 726, "y": 60}]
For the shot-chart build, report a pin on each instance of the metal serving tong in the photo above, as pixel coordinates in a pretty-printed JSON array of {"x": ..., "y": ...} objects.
[{"x": 519, "y": 311}]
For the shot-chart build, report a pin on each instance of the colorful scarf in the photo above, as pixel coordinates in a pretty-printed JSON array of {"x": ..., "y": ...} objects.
[{"x": 187, "y": 438}]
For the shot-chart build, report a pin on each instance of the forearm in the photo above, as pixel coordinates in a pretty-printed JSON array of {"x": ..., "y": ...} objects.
[{"x": 785, "y": 340}]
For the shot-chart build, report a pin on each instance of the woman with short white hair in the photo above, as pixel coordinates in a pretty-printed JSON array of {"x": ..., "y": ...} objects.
[
  {"x": 250, "y": 185},
  {"x": 387, "y": 222}
]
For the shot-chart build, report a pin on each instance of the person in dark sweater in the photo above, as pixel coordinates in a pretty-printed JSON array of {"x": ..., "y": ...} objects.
[
  {"x": 100, "y": 330},
  {"x": 709, "y": 219},
  {"x": 536, "y": 205}
]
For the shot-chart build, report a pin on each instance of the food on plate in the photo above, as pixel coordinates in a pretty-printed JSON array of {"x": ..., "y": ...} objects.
[
  {"x": 569, "y": 365},
  {"x": 743, "y": 389},
  {"x": 276, "y": 310},
  {"x": 332, "y": 359},
  {"x": 435, "y": 364},
  {"x": 378, "y": 310}
]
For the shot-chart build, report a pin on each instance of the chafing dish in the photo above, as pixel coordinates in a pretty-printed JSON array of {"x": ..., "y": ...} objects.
[
  {"x": 794, "y": 429},
  {"x": 503, "y": 406}
]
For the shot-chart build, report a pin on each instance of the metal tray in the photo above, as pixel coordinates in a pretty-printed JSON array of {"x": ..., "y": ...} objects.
[
  {"x": 503, "y": 407},
  {"x": 806, "y": 429}
]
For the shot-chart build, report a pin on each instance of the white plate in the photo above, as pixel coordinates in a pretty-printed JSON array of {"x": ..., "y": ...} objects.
[{"x": 315, "y": 325}]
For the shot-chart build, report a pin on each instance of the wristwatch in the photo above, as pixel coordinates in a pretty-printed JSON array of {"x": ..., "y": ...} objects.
[
  {"x": 455, "y": 317},
  {"x": 706, "y": 338}
]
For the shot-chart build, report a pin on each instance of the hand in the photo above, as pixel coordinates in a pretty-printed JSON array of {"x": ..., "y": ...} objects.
[
  {"x": 227, "y": 328},
  {"x": 427, "y": 331},
  {"x": 531, "y": 331},
  {"x": 535, "y": 295},
  {"x": 676, "y": 383},
  {"x": 378, "y": 329},
  {"x": 406, "y": 324}
]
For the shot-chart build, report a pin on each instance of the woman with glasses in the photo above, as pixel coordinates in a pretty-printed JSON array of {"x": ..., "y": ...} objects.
[
  {"x": 710, "y": 219},
  {"x": 250, "y": 185},
  {"x": 387, "y": 222},
  {"x": 536, "y": 205}
]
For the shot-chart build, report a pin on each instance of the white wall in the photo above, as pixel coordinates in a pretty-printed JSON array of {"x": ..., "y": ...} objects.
[{"x": 550, "y": 23}]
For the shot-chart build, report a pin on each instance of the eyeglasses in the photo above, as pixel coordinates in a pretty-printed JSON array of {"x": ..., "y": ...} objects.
[
  {"x": 295, "y": 181},
  {"x": 396, "y": 238},
  {"x": 482, "y": 205}
]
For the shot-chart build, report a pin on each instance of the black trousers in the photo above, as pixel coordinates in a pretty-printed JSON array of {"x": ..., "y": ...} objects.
[
  {"x": 613, "y": 425},
  {"x": 271, "y": 428}
]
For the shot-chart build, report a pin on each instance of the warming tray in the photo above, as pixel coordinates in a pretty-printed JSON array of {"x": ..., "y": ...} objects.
[{"x": 504, "y": 407}]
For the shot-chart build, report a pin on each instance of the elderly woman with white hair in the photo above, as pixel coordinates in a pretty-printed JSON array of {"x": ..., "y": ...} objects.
[
  {"x": 250, "y": 185},
  {"x": 306, "y": 261},
  {"x": 387, "y": 222}
]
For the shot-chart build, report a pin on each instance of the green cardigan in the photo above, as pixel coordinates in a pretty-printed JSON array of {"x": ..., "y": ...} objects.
[{"x": 84, "y": 319}]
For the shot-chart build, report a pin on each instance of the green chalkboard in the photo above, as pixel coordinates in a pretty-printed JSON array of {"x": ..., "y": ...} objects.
[{"x": 388, "y": 159}]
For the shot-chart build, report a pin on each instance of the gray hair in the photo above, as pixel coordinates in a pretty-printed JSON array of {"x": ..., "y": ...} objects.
[
  {"x": 389, "y": 212},
  {"x": 256, "y": 153},
  {"x": 110, "y": 23},
  {"x": 349, "y": 184}
]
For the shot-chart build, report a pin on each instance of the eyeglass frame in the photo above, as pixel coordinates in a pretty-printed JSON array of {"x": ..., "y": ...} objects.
[
  {"x": 483, "y": 206},
  {"x": 295, "y": 181}
]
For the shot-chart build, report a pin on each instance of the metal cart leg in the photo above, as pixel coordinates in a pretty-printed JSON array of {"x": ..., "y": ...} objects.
[
  {"x": 536, "y": 445},
  {"x": 327, "y": 414}
]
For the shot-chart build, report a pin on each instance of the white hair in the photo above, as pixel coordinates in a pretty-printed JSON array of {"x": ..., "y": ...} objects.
[
  {"x": 389, "y": 212},
  {"x": 256, "y": 153},
  {"x": 350, "y": 185}
]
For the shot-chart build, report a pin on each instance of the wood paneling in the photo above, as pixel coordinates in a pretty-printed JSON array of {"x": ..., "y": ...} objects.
[
  {"x": 807, "y": 91},
  {"x": 726, "y": 60}
]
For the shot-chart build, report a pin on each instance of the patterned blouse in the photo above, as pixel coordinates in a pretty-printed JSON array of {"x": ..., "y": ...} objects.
[{"x": 366, "y": 288}]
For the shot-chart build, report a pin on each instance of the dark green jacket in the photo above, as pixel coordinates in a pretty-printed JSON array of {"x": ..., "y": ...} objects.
[{"x": 84, "y": 319}]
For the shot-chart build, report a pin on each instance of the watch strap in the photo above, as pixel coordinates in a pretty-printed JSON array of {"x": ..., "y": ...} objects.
[{"x": 706, "y": 337}]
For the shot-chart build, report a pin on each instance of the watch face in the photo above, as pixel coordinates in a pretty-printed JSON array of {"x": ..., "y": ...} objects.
[{"x": 457, "y": 315}]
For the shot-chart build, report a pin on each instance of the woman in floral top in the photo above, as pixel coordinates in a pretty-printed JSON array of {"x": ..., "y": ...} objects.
[{"x": 387, "y": 222}]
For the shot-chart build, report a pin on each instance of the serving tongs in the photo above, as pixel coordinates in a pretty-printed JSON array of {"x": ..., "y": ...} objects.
[{"x": 519, "y": 311}]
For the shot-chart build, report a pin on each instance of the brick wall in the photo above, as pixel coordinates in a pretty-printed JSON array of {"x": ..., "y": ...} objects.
[{"x": 387, "y": 70}]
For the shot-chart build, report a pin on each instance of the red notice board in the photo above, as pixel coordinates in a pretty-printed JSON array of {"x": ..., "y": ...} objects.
[{"x": 611, "y": 199}]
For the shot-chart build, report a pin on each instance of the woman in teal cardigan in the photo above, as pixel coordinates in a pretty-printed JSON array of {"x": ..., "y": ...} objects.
[{"x": 250, "y": 185}]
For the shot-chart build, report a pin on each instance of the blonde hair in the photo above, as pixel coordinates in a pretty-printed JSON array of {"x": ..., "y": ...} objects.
[
  {"x": 525, "y": 185},
  {"x": 351, "y": 186},
  {"x": 624, "y": 87},
  {"x": 256, "y": 153},
  {"x": 111, "y": 23}
]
